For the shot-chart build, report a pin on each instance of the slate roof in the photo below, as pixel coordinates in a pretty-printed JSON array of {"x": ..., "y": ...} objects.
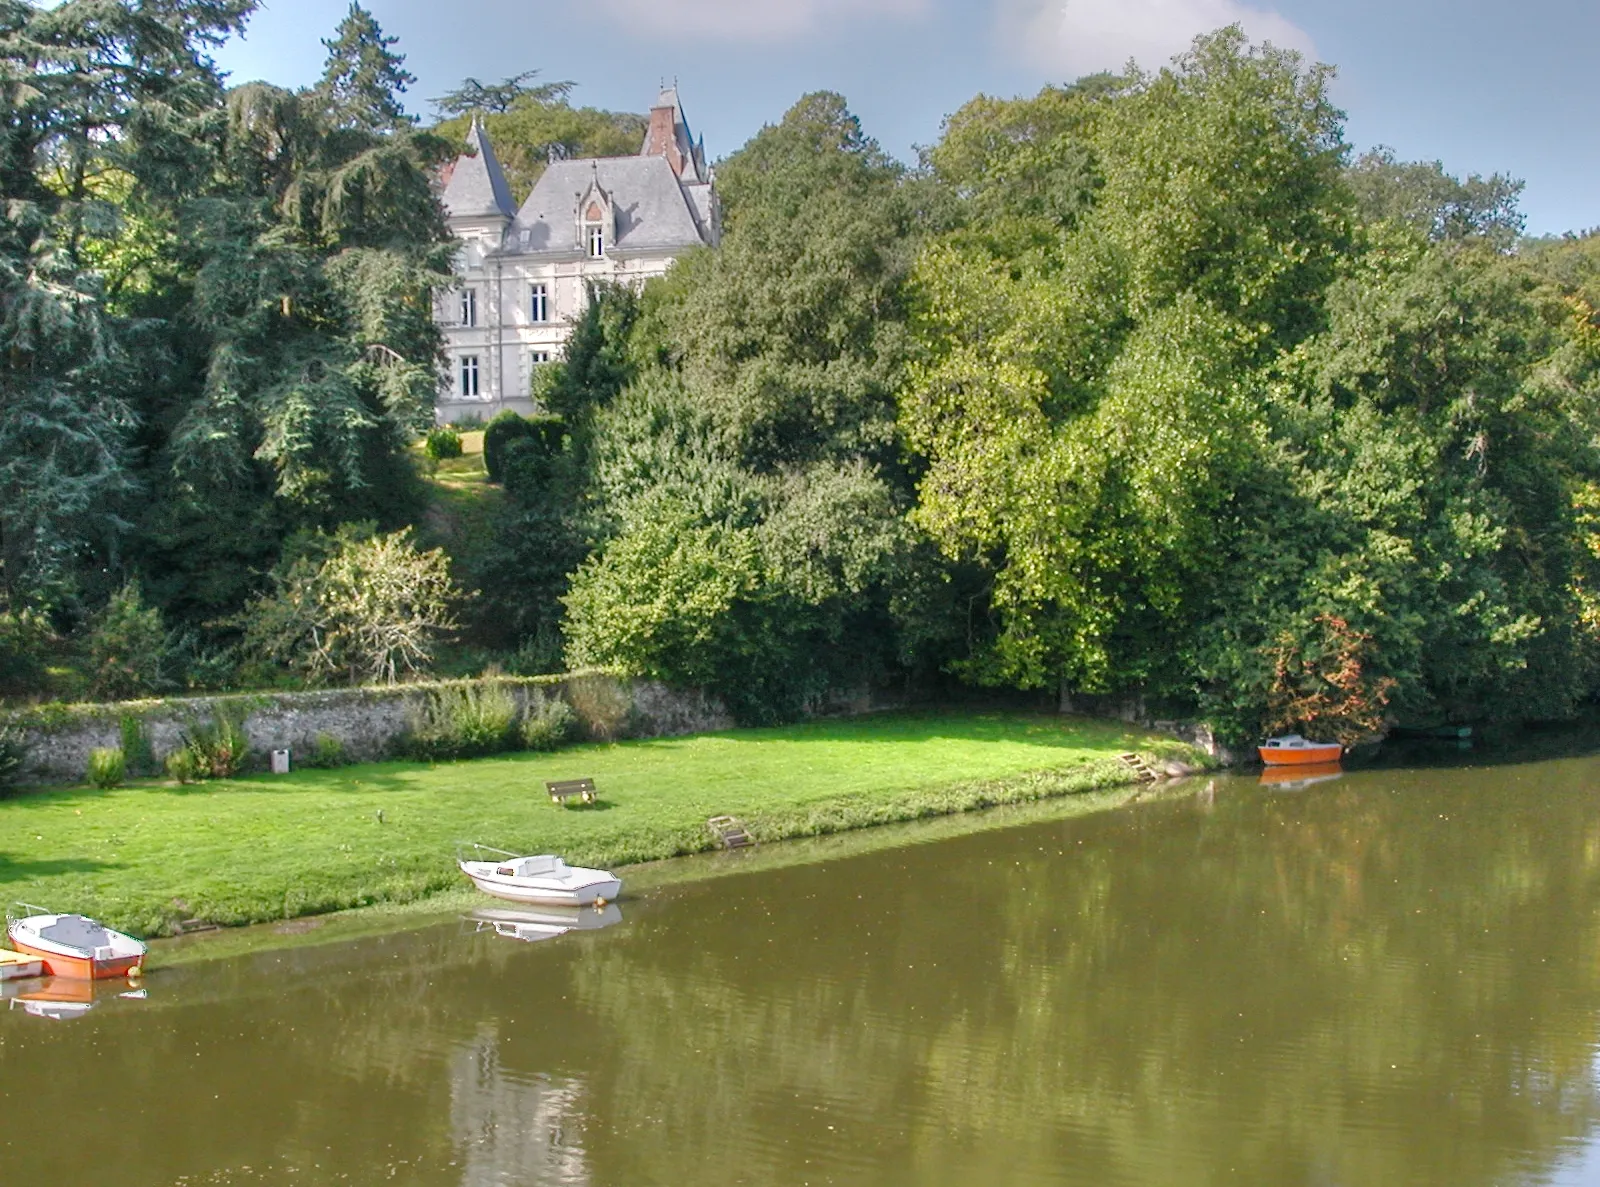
[
  {"x": 477, "y": 185},
  {"x": 652, "y": 210}
]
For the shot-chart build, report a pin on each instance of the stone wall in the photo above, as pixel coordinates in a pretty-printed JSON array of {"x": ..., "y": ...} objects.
[{"x": 369, "y": 723}]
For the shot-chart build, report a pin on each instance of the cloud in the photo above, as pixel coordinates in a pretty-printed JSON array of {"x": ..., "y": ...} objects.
[
  {"x": 1079, "y": 37},
  {"x": 750, "y": 20}
]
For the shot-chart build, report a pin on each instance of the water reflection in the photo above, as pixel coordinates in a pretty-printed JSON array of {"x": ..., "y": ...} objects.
[
  {"x": 542, "y": 923},
  {"x": 62, "y": 999},
  {"x": 1392, "y": 980},
  {"x": 1299, "y": 778},
  {"x": 511, "y": 1129}
]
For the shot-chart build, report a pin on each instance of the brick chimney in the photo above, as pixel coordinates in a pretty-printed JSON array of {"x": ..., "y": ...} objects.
[{"x": 661, "y": 140}]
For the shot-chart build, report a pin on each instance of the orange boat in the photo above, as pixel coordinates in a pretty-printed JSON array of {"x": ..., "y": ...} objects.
[
  {"x": 75, "y": 946},
  {"x": 1292, "y": 750}
]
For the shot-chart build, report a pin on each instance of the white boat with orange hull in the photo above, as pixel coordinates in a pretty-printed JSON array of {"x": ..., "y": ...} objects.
[
  {"x": 76, "y": 946},
  {"x": 544, "y": 879},
  {"x": 1291, "y": 750}
]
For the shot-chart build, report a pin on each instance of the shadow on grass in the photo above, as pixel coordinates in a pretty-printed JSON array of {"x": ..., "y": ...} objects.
[{"x": 17, "y": 870}]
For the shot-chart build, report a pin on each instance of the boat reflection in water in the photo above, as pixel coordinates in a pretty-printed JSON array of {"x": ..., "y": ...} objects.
[
  {"x": 61, "y": 999},
  {"x": 1299, "y": 778},
  {"x": 542, "y": 923}
]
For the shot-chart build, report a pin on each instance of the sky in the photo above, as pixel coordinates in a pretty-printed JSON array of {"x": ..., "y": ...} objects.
[{"x": 1483, "y": 86}]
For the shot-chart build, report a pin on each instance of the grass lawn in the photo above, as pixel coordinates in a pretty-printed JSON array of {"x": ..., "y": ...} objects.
[{"x": 265, "y": 847}]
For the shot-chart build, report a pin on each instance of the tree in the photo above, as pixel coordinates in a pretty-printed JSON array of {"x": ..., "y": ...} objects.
[
  {"x": 497, "y": 98},
  {"x": 363, "y": 79},
  {"x": 355, "y": 606},
  {"x": 1422, "y": 197},
  {"x": 1088, "y": 394},
  {"x": 797, "y": 322},
  {"x": 99, "y": 95},
  {"x": 537, "y": 128},
  {"x": 127, "y": 647}
]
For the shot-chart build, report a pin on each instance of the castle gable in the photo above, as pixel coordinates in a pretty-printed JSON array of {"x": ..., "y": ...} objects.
[{"x": 641, "y": 198}]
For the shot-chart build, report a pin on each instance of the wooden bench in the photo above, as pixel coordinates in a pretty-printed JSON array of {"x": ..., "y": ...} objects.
[{"x": 563, "y": 790}]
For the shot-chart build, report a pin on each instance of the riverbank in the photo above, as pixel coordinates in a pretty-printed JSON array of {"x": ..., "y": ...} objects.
[{"x": 147, "y": 858}]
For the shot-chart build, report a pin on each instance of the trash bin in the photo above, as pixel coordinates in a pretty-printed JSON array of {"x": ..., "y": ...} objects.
[{"x": 280, "y": 762}]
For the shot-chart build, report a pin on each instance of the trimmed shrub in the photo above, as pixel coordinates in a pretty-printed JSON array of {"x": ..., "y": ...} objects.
[
  {"x": 548, "y": 722},
  {"x": 184, "y": 765},
  {"x": 327, "y": 751},
  {"x": 136, "y": 752},
  {"x": 107, "y": 767},
  {"x": 502, "y": 431},
  {"x": 463, "y": 721},
  {"x": 443, "y": 443}
]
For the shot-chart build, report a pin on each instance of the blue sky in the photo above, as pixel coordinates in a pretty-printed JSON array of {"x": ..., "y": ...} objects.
[{"x": 1481, "y": 85}]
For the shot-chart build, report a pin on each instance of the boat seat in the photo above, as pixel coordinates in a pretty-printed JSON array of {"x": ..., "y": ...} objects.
[{"x": 531, "y": 867}]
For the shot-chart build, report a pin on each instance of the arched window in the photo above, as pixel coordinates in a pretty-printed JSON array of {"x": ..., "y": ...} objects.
[{"x": 594, "y": 230}]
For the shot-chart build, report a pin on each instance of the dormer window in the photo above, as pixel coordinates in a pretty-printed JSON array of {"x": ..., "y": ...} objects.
[{"x": 594, "y": 230}]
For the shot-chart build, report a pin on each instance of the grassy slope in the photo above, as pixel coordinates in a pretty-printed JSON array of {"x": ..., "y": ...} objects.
[{"x": 270, "y": 848}]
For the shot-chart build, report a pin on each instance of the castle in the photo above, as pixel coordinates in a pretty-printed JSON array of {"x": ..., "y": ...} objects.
[{"x": 524, "y": 273}]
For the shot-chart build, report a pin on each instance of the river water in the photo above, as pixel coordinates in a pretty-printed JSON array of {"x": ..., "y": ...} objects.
[{"x": 1392, "y": 977}]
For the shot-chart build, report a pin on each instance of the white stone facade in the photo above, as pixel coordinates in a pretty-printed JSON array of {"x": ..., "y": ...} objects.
[{"x": 524, "y": 272}]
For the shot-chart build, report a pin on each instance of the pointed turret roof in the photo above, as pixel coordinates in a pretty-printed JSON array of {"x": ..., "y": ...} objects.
[
  {"x": 668, "y": 136},
  {"x": 477, "y": 186}
]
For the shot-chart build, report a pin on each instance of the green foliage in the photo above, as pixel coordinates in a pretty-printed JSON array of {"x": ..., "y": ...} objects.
[
  {"x": 13, "y": 755},
  {"x": 356, "y": 606},
  {"x": 107, "y": 768},
  {"x": 327, "y": 752},
  {"x": 1426, "y": 200},
  {"x": 548, "y": 723},
  {"x": 479, "y": 98},
  {"x": 537, "y": 126},
  {"x": 127, "y": 647},
  {"x": 185, "y": 766},
  {"x": 443, "y": 443},
  {"x": 219, "y": 747},
  {"x": 25, "y": 637},
  {"x": 505, "y": 428},
  {"x": 136, "y": 751},
  {"x": 463, "y": 721},
  {"x": 363, "y": 79}
]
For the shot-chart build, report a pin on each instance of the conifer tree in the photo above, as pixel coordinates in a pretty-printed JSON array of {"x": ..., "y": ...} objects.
[{"x": 364, "y": 79}]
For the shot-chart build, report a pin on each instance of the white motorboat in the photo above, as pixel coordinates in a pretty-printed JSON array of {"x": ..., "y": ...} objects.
[
  {"x": 542, "y": 923},
  {"x": 543, "y": 879}
]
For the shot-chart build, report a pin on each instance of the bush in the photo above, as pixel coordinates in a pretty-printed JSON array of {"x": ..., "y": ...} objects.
[
  {"x": 127, "y": 647},
  {"x": 327, "y": 751},
  {"x": 13, "y": 753},
  {"x": 353, "y": 606},
  {"x": 443, "y": 443},
  {"x": 463, "y": 721},
  {"x": 24, "y": 637},
  {"x": 184, "y": 765},
  {"x": 136, "y": 752},
  {"x": 219, "y": 747},
  {"x": 502, "y": 431},
  {"x": 107, "y": 767},
  {"x": 548, "y": 722}
]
